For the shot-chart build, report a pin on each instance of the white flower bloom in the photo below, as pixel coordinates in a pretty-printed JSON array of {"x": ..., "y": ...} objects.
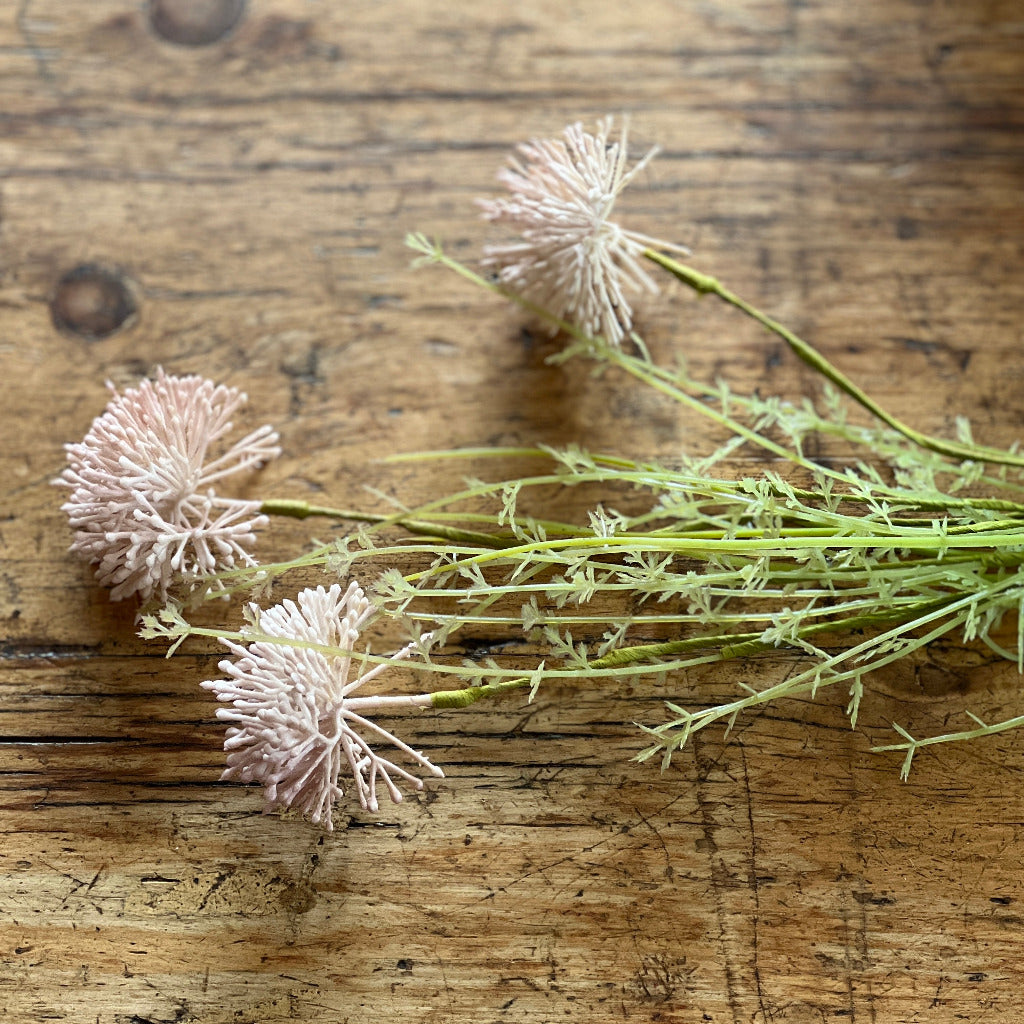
[
  {"x": 294, "y": 724},
  {"x": 571, "y": 260},
  {"x": 142, "y": 503}
]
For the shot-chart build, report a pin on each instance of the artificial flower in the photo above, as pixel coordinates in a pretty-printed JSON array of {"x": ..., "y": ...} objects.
[
  {"x": 294, "y": 724},
  {"x": 571, "y": 259},
  {"x": 142, "y": 503}
]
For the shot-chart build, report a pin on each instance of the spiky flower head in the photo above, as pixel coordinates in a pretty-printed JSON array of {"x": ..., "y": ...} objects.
[
  {"x": 294, "y": 725},
  {"x": 143, "y": 504},
  {"x": 571, "y": 259}
]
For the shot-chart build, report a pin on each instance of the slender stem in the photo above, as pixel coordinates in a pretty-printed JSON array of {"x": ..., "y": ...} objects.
[
  {"x": 471, "y": 694},
  {"x": 729, "y": 646},
  {"x": 706, "y": 285},
  {"x": 386, "y": 701},
  {"x": 736, "y": 645},
  {"x": 902, "y": 538},
  {"x": 295, "y": 509},
  {"x": 952, "y": 737}
]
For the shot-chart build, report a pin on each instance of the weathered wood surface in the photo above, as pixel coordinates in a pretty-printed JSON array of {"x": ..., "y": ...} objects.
[{"x": 857, "y": 168}]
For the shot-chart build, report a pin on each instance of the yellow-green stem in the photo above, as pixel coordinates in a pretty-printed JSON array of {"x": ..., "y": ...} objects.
[
  {"x": 295, "y": 509},
  {"x": 730, "y": 646},
  {"x": 704, "y": 284}
]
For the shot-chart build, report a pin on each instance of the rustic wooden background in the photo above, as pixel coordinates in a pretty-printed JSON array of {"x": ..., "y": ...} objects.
[{"x": 222, "y": 188}]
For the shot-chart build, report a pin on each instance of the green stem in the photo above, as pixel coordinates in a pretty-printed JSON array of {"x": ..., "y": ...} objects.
[
  {"x": 471, "y": 694},
  {"x": 738, "y": 645},
  {"x": 730, "y": 645},
  {"x": 295, "y": 509},
  {"x": 704, "y": 284},
  {"x": 952, "y": 737},
  {"x": 902, "y": 539},
  {"x": 943, "y": 503}
]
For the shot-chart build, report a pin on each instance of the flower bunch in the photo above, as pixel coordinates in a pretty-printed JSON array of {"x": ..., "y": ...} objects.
[
  {"x": 850, "y": 567},
  {"x": 144, "y": 508}
]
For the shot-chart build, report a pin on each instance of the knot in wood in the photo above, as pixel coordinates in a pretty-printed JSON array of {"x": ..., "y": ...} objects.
[
  {"x": 194, "y": 22},
  {"x": 93, "y": 301}
]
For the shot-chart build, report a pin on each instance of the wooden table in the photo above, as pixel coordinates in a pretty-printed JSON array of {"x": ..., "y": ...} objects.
[{"x": 223, "y": 188}]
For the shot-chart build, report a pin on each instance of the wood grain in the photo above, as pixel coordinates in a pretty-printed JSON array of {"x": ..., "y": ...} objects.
[{"x": 855, "y": 168}]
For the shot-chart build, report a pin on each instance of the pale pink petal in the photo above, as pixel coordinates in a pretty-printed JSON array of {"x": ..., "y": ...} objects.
[
  {"x": 292, "y": 725},
  {"x": 142, "y": 505},
  {"x": 570, "y": 258}
]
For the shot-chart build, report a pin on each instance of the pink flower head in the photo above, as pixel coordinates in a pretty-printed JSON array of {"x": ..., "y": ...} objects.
[
  {"x": 294, "y": 724},
  {"x": 142, "y": 503},
  {"x": 570, "y": 259}
]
